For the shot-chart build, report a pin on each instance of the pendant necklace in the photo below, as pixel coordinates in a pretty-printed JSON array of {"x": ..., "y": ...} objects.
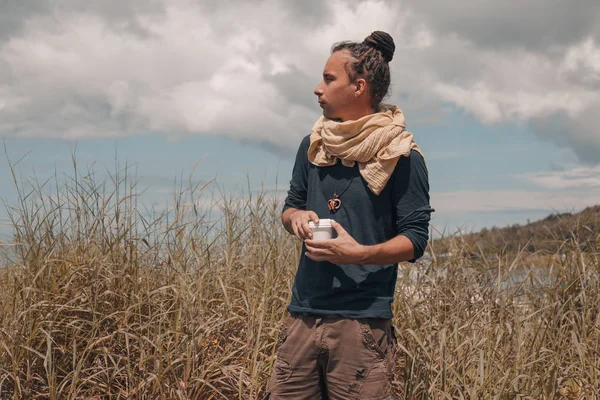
[{"x": 335, "y": 203}]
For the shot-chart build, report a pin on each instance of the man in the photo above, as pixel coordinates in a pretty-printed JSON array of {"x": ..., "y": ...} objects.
[{"x": 360, "y": 168}]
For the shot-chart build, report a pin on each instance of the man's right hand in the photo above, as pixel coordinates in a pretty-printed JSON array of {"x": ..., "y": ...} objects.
[{"x": 298, "y": 223}]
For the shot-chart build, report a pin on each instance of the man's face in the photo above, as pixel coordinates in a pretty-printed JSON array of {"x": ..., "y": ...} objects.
[{"x": 336, "y": 93}]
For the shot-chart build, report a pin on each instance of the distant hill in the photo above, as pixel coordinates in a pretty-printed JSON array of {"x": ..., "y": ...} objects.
[{"x": 548, "y": 234}]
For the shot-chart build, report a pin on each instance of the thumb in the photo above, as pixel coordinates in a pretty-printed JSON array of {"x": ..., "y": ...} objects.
[
  {"x": 313, "y": 217},
  {"x": 338, "y": 228}
]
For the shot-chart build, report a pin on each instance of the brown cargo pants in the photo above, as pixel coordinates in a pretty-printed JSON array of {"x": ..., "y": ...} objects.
[{"x": 334, "y": 359}]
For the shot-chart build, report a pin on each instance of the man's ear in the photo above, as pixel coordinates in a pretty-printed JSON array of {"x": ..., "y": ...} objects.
[{"x": 361, "y": 86}]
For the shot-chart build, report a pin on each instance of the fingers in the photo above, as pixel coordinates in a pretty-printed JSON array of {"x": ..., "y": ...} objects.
[
  {"x": 318, "y": 244},
  {"x": 319, "y": 253},
  {"x": 316, "y": 250},
  {"x": 304, "y": 231},
  {"x": 300, "y": 225},
  {"x": 315, "y": 257},
  {"x": 307, "y": 230},
  {"x": 301, "y": 229},
  {"x": 295, "y": 228}
]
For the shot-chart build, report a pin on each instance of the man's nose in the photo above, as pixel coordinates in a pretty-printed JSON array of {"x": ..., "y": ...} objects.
[{"x": 318, "y": 90}]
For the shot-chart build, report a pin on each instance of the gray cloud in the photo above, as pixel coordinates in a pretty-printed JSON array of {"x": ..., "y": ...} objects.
[
  {"x": 296, "y": 86},
  {"x": 580, "y": 134},
  {"x": 13, "y": 14},
  {"x": 532, "y": 24},
  {"x": 247, "y": 69},
  {"x": 118, "y": 15},
  {"x": 311, "y": 12}
]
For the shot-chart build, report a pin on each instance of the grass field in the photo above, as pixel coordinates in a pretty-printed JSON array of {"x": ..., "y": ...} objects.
[{"x": 100, "y": 298}]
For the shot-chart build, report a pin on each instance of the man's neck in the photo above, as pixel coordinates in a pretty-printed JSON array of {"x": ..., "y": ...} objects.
[{"x": 358, "y": 114}]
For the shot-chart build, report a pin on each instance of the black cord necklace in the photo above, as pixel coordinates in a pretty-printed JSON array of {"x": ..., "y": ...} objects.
[{"x": 335, "y": 203}]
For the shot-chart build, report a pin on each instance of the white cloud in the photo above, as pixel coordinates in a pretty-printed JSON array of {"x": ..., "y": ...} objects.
[
  {"x": 470, "y": 201},
  {"x": 582, "y": 62},
  {"x": 575, "y": 177},
  {"x": 248, "y": 69},
  {"x": 76, "y": 77}
]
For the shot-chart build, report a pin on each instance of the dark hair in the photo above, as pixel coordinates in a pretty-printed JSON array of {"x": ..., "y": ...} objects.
[{"x": 370, "y": 62}]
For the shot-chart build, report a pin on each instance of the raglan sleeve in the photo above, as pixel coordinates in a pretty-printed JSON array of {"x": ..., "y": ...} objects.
[
  {"x": 297, "y": 193},
  {"x": 411, "y": 201}
]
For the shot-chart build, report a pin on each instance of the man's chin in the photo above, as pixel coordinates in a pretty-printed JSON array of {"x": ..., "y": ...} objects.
[{"x": 328, "y": 115}]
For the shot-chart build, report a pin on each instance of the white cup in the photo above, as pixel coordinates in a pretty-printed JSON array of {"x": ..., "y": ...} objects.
[{"x": 321, "y": 231}]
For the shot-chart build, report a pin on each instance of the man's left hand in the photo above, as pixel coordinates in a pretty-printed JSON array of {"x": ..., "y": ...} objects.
[{"x": 341, "y": 250}]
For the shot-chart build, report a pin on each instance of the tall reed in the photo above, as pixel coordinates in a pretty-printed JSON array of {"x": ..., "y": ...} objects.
[{"x": 104, "y": 298}]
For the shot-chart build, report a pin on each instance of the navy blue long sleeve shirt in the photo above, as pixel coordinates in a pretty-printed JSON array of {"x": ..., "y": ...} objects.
[{"x": 402, "y": 208}]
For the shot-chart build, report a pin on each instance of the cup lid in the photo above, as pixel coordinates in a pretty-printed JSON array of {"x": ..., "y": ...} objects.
[{"x": 323, "y": 223}]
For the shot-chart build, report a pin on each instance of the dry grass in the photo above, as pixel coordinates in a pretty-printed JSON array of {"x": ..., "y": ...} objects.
[{"x": 100, "y": 299}]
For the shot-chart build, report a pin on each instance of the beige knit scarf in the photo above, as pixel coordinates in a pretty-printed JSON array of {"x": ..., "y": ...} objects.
[{"x": 376, "y": 142}]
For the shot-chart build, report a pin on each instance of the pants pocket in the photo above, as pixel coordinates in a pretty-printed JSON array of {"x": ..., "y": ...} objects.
[
  {"x": 383, "y": 344},
  {"x": 376, "y": 337},
  {"x": 372, "y": 341},
  {"x": 283, "y": 333},
  {"x": 282, "y": 371}
]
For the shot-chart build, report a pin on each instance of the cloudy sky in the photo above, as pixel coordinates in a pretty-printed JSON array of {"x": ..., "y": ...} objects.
[{"x": 501, "y": 96}]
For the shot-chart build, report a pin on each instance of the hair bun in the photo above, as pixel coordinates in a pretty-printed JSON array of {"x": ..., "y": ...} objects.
[{"x": 383, "y": 42}]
